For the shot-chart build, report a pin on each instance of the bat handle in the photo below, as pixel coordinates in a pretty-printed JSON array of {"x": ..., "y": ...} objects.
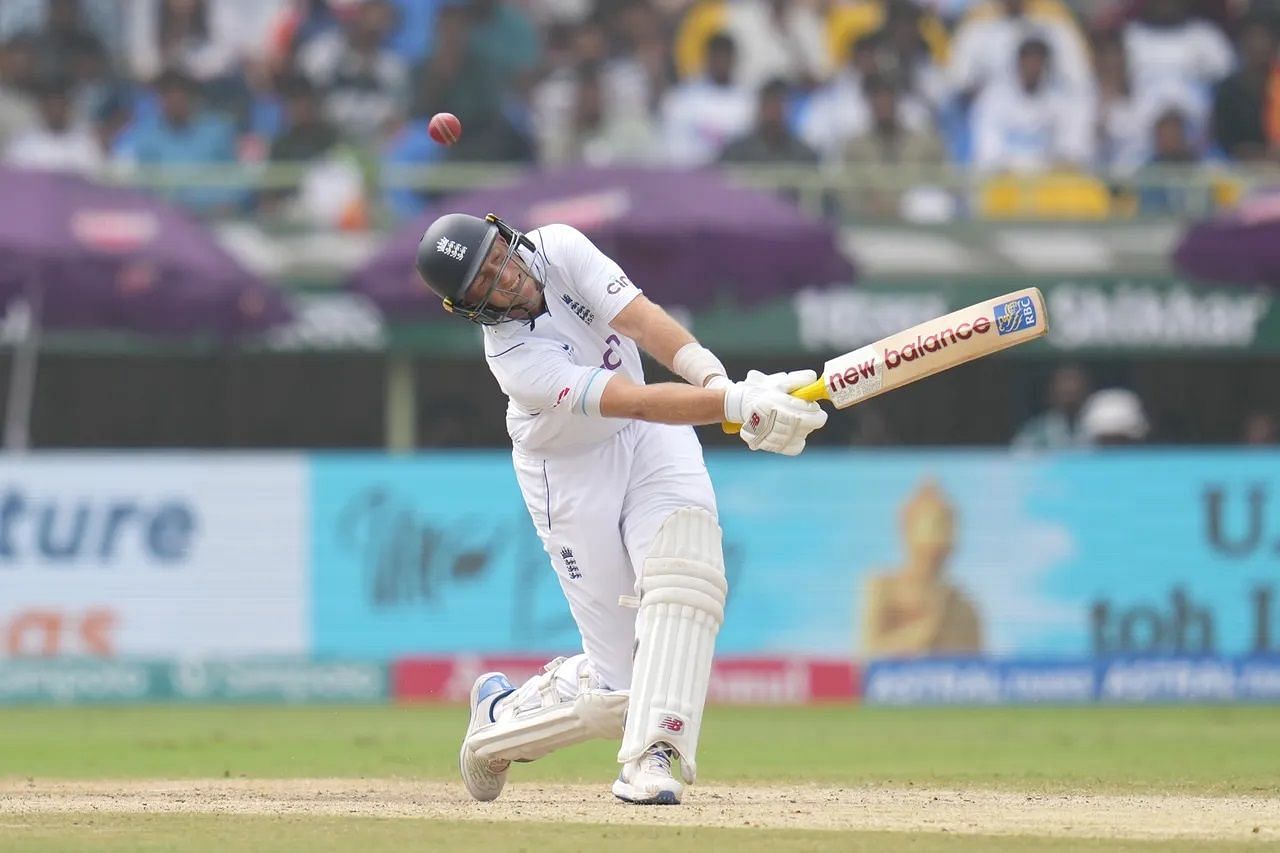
[{"x": 813, "y": 392}]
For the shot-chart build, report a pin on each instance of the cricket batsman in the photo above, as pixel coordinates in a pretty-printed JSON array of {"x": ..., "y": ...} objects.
[{"x": 614, "y": 480}]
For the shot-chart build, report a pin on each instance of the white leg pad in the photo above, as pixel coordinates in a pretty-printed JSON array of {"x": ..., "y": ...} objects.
[
  {"x": 682, "y": 596},
  {"x": 557, "y": 708}
]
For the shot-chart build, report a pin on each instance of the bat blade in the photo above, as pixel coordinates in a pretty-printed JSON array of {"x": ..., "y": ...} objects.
[
  {"x": 928, "y": 348},
  {"x": 935, "y": 345}
]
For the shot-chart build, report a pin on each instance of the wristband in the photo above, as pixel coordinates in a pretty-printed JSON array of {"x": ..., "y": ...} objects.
[{"x": 696, "y": 364}]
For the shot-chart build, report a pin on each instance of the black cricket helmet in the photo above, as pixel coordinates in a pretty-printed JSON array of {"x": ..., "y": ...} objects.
[{"x": 450, "y": 256}]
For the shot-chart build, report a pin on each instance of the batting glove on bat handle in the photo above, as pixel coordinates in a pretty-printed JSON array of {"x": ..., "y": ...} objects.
[{"x": 801, "y": 384}]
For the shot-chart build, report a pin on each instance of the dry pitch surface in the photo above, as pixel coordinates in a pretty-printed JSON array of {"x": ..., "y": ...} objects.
[
  {"x": 313, "y": 780},
  {"x": 972, "y": 812}
]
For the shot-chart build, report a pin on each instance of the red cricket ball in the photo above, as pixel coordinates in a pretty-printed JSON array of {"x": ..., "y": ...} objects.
[{"x": 445, "y": 128}]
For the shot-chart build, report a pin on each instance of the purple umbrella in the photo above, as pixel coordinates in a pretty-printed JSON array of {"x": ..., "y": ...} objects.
[
  {"x": 686, "y": 238},
  {"x": 1241, "y": 247},
  {"x": 114, "y": 258},
  {"x": 86, "y": 256}
]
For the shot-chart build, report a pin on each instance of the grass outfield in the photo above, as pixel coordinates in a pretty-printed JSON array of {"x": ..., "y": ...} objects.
[
  {"x": 1216, "y": 750},
  {"x": 1219, "y": 752}
]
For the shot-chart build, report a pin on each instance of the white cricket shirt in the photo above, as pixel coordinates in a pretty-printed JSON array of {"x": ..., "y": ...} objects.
[{"x": 555, "y": 372}]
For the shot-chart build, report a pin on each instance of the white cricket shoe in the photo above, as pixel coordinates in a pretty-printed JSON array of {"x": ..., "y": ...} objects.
[
  {"x": 483, "y": 777},
  {"x": 648, "y": 780}
]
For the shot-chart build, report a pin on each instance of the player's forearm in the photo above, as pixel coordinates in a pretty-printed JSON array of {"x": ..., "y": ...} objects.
[
  {"x": 665, "y": 340},
  {"x": 664, "y": 403}
]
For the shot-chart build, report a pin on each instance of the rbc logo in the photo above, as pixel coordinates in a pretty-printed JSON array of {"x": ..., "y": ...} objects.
[{"x": 1015, "y": 315}]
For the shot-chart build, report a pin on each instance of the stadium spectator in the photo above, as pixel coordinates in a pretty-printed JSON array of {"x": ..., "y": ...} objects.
[
  {"x": 197, "y": 37},
  {"x": 771, "y": 140},
  {"x": 1173, "y": 145},
  {"x": 17, "y": 80},
  {"x": 289, "y": 30},
  {"x": 838, "y": 112},
  {"x": 596, "y": 40},
  {"x": 699, "y": 116},
  {"x": 1126, "y": 117},
  {"x": 1172, "y": 141},
  {"x": 848, "y": 21},
  {"x": 887, "y": 141},
  {"x": 453, "y": 77},
  {"x": 1033, "y": 123},
  {"x": 184, "y": 133},
  {"x": 506, "y": 43},
  {"x": 1260, "y": 428},
  {"x": 986, "y": 47},
  {"x": 1057, "y": 428},
  {"x": 617, "y": 102},
  {"x": 92, "y": 79},
  {"x": 1123, "y": 139},
  {"x": 1113, "y": 416},
  {"x": 629, "y": 82},
  {"x": 460, "y": 78},
  {"x": 908, "y": 57},
  {"x": 637, "y": 32},
  {"x": 1113, "y": 14},
  {"x": 305, "y": 133},
  {"x": 105, "y": 20},
  {"x": 549, "y": 15},
  {"x": 1171, "y": 52},
  {"x": 60, "y": 142},
  {"x": 113, "y": 124},
  {"x": 65, "y": 37},
  {"x": 1240, "y": 103},
  {"x": 889, "y": 147},
  {"x": 579, "y": 121},
  {"x": 775, "y": 38},
  {"x": 414, "y": 35},
  {"x": 365, "y": 84},
  {"x": 484, "y": 59}
]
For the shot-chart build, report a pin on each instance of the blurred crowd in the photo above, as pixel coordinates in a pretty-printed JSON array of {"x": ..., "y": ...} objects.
[
  {"x": 1002, "y": 87},
  {"x": 1078, "y": 414}
]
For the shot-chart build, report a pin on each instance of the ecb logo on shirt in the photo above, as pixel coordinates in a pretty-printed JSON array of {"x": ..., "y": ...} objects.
[
  {"x": 1018, "y": 314},
  {"x": 584, "y": 313}
]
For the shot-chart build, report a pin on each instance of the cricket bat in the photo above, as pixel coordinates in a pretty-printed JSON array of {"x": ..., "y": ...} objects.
[{"x": 928, "y": 348}]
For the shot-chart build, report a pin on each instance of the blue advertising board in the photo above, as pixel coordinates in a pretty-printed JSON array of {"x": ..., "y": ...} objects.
[
  {"x": 869, "y": 555},
  {"x": 430, "y": 553},
  {"x": 1126, "y": 679}
]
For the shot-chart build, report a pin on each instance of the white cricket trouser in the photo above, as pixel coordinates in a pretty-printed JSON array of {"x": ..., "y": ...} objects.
[{"x": 597, "y": 511}]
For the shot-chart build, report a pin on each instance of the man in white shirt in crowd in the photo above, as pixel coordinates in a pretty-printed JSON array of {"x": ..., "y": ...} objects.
[
  {"x": 57, "y": 143},
  {"x": 1032, "y": 124},
  {"x": 986, "y": 44},
  {"x": 700, "y": 116},
  {"x": 365, "y": 83},
  {"x": 18, "y": 72},
  {"x": 840, "y": 112},
  {"x": 778, "y": 38},
  {"x": 1177, "y": 59}
]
